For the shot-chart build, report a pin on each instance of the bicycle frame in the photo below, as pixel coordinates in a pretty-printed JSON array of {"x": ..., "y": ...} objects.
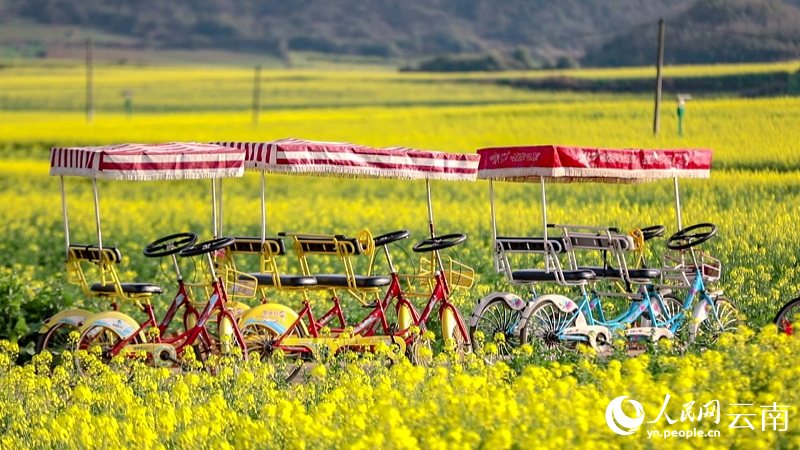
[
  {"x": 368, "y": 327},
  {"x": 216, "y": 303}
]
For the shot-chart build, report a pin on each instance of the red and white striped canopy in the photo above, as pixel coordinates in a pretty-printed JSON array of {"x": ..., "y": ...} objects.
[
  {"x": 341, "y": 159},
  {"x": 145, "y": 162},
  {"x": 580, "y": 164}
]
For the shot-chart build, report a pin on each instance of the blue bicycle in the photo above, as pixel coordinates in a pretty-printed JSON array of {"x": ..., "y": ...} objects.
[{"x": 663, "y": 316}]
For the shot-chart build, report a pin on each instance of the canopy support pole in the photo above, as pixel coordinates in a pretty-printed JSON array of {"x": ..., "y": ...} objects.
[
  {"x": 221, "y": 209},
  {"x": 430, "y": 206},
  {"x": 97, "y": 215},
  {"x": 544, "y": 211},
  {"x": 544, "y": 223},
  {"x": 263, "y": 210},
  {"x": 214, "y": 206},
  {"x": 64, "y": 209},
  {"x": 494, "y": 218},
  {"x": 678, "y": 204}
]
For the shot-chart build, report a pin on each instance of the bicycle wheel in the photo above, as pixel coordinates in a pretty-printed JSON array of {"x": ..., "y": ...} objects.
[
  {"x": 55, "y": 340},
  {"x": 452, "y": 334},
  {"x": 726, "y": 321},
  {"x": 789, "y": 314},
  {"x": 101, "y": 336},
  {"x": 213, "y": 326},
  {"x": 495, "y": 318},
  {"x": 420, "y": 352},
  {"x": 544, "y": 325},
  {"x": 672, "y": 307},
  {"x": 259, "y": 340}
]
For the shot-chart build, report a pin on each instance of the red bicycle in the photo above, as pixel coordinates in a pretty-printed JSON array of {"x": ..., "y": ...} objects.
[
  {"x": 116, "y": 333},
  {"x": 299, "y": 336}
]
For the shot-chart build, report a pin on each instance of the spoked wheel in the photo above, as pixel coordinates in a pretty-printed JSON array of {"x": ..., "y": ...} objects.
[
  {"x": 672, "y": 307},
  {"x": 97, "y": 338},
  {"x": 455, "y": 340},
  {"x": 789, "y": 314},
  {"x": 420, "y": 352},
  {"x": 544, "y": 326},
  {"x": 499, "y": 324},
  {"x": 259, "y": 340},
  {"x": 55, "y": 340},
  {"x": 725, "y": 321}
]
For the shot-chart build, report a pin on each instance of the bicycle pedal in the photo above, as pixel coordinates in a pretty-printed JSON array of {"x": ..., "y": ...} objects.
[{"x": 394, "y": 328}]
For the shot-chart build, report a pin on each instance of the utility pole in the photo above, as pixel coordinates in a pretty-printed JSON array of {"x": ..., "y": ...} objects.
[
  {"x": 659, "y": 64},
  {"x": 89, "y": 80},
  {"x": 256, "y": 94}
]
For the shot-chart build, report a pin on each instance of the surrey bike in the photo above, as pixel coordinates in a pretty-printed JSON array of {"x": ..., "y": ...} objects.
[
  {"x": 296, "y": 156},
  {"x": 502, "y": 312},
  {"x": 122, "y": 336},
  {"x": 94, "y": 266},
  {"x": 302, "y": 337},
  {"x": 711, "y": 314}
]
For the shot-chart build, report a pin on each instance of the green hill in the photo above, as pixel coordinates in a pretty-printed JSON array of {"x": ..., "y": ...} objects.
[
  {"x": 608, "y": 32},
  {"x": 711, "y": 31}
]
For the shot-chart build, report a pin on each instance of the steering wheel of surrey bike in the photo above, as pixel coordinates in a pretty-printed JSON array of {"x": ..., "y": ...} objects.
[
  {"x": 169, "y": 245},
  {"x": 207, "y": 246},
  {"x": 642, "y": 235},
  {"x": 651, "y": 232},
  {"x": 684, "y": 238},
  {"x": 388, "y": 238},
  {"x": 439, "y": 242},
  {"x": 366, "y": 242}
]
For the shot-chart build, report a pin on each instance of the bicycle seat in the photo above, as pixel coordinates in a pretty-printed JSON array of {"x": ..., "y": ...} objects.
[
  {"x": 634, "y": 274},
  {"x": 334, "y": 280},
  {"x": 536, "y": 275},
  {"x": 128, "y": 288},
  {"x": 248, "y": 244},
  {"x": 267, "y": 279},
  {"x": 529, "y": 244}
]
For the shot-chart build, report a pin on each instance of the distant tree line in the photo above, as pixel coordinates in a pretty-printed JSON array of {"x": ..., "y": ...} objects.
[{"x": 446, "y": 34}]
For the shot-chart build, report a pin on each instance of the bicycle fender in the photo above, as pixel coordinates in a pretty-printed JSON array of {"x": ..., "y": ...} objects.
[
  {"x": 404, "y": 319},
  {"x": 122, "y": 323},
  {"x": 513, "y": 301},
  {"x": 274, "y": 316},
  {"x": 449, "y": 324},
  {"x": 699, "y": 314},
  {"x": 562, "y": 302},
  {"x": 237, "y": 309},
  {"x": 72, "y": 317}
]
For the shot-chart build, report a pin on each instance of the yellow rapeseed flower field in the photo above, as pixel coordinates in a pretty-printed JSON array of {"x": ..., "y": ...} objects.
[{"x": 753, "y": 195}]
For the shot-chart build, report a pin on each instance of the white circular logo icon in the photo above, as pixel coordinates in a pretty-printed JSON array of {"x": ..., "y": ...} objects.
[{"x": 621, "y": 423}]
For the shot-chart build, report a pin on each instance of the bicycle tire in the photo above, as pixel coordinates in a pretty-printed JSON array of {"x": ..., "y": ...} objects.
[
  {"x": 498, "y": 317},
  {"x": 55, "y": 340},
  {"x": 782, "y": 319},
  {"x": 258, "y": 339},
  {"x": 543, "y": 332},
  {"x": 708, "y": 331},
  {"x": 112, "y": 338}
]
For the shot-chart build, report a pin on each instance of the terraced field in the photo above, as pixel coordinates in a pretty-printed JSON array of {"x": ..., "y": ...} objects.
[{"x": 752, "y": 196}]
